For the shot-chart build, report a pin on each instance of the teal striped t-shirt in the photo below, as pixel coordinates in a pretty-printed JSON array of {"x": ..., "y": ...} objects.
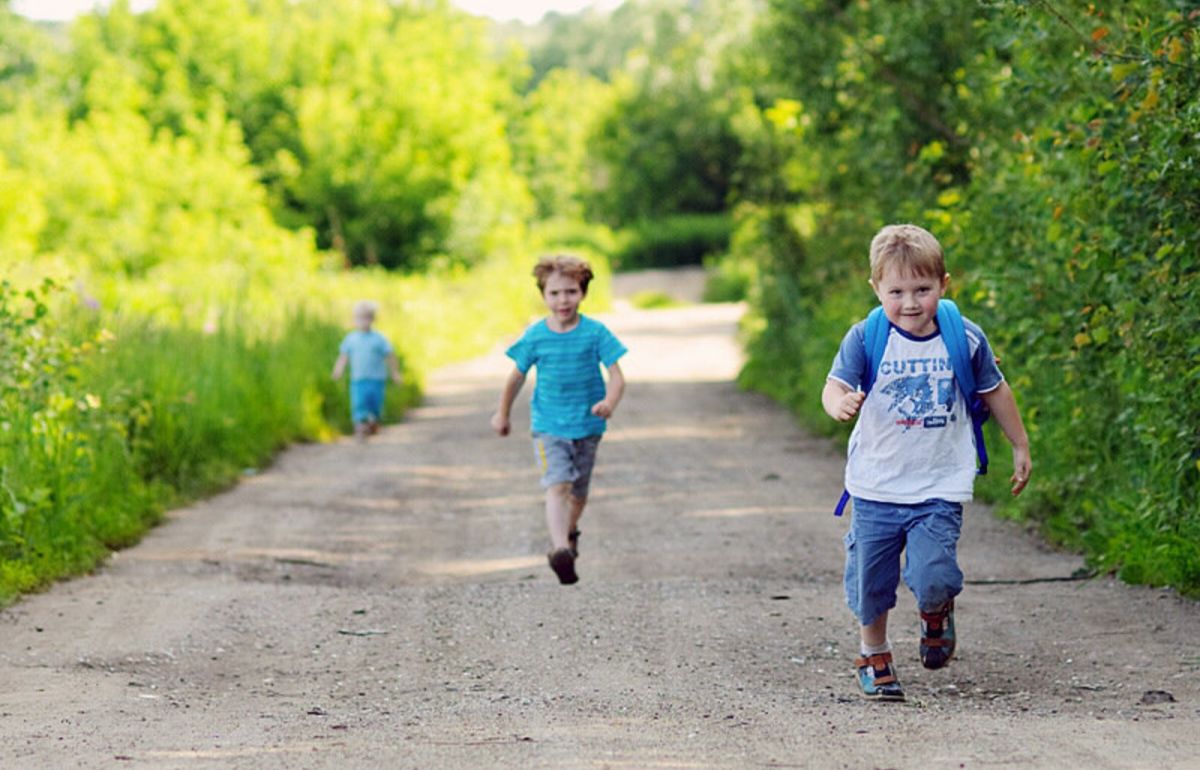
[{"x": 569, "y": 382}]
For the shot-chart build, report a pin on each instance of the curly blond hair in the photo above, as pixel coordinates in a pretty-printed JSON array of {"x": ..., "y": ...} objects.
[{"x": 568, "y": 265}]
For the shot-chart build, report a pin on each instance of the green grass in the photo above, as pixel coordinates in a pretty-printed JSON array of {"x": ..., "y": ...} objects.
[{"x": 654, "y": 300}]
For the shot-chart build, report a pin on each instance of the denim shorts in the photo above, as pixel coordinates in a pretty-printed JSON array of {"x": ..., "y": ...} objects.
[
  {"x": 366, "y": 399},
  {"x": 564, "y": 460},
  {"x": 928, "y": 534}
]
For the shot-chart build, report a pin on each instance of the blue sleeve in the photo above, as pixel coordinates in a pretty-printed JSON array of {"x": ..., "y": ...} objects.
[
  {"x": 850, "y": 363},
  {"x": 609, "y": 348},
  {"x": 523, "y": 352},
  {"x": 344, "y": 348},
  {"x": 385, "y": 346},
  {"x": 983, "y": 361}
]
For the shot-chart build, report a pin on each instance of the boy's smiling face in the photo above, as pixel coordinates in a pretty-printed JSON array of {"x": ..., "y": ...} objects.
[
  {"x": 911, "y": 301},
  {"x": 562, "y": 296}
]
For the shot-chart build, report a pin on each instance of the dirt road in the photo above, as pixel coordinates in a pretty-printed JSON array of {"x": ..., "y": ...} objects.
[{"x": 390, "y": 606}]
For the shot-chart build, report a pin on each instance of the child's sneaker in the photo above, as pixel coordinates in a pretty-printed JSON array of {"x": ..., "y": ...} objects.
[
  {"x": 937, "y": 636},
  {"x": 877, "y": 678},
  {"x": 563, "y": 564}
]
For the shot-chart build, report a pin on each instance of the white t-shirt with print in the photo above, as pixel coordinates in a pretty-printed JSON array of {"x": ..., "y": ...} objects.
[{"x": 913, "y": 441}]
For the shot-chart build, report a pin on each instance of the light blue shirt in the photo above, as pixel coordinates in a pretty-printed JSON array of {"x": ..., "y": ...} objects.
[
  {"x": 569, "y": 382},
  {"x": 368, "y": 352}
]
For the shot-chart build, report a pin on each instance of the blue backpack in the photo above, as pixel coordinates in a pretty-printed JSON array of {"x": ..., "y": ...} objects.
[{"x": 954, "y": 335}]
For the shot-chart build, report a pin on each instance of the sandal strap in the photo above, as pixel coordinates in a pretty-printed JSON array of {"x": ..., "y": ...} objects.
[
  {"x": 929, "y": 641},
  {"x": 876, "y": 661}
]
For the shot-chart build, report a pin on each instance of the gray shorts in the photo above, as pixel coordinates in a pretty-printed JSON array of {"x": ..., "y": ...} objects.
[{"x": 564, "y": 460}]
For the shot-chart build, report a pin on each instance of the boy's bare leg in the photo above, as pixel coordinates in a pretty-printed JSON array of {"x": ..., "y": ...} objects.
[
  {"x": 874, "y": 635},
  {"x": 577, "y": 505},
  {"x": 559, "y": 512}
]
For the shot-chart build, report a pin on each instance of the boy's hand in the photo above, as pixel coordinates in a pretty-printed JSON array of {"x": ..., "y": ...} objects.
[
  {"x": 849, "y": 405},
  {"x": 398, "y": 378},
  {"x": 501, "y": 424},
  {"x": 603, "y": 409},
  {"x": 1022, "y": 467}
]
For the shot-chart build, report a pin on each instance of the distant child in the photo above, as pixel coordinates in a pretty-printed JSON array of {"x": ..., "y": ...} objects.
[
  {"x": 571, "y": 403},
  {"x": 911, "y": 461},
  {"x": 371, "y": 360}
]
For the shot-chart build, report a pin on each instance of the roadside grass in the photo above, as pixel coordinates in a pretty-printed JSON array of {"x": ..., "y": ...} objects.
[{"x": 654, "y": 300}]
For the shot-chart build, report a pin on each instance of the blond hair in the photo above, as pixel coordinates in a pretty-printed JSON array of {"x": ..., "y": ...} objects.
[
  {"x": 910, "y": 249},
  {"x": 569, "y": 266},
  {"x": 365, "y": 308}
]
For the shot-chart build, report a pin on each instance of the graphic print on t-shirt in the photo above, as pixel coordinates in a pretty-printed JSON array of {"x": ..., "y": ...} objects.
[{"x": 920, "y": 400}]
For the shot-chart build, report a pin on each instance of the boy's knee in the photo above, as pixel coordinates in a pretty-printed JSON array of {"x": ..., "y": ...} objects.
[{"x": 935, "y": 584}]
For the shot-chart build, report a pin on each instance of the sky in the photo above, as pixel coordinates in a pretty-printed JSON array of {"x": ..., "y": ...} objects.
[{"x": 525, "y": 10}]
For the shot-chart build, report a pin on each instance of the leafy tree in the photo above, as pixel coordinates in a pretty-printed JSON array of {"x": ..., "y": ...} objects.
[
  {"x": 668, "y": 145},
  {"x": 370, "y": 121},
  {"x": 552, "y": 138}
]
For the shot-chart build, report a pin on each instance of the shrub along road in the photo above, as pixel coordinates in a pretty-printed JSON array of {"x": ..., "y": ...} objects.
[{"x": 390, "y": 606}]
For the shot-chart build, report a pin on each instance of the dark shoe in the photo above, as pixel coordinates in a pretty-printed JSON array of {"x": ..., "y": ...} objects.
[
  {"x": 877, "y": 678},
  {"x": 372, "y": 427},
  {"x": 573, "y": 539},
  {"x": 937, "y": 636},
  {"x": 563, "y": 564}
]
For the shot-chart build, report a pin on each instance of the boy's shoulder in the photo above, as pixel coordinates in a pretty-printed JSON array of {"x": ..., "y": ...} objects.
[
  {"x": 536, "y": 328},
  {"x": 587, "y": 323},
  {"x": 358, "y": 337},
  {"x": 973, "y": 328}
]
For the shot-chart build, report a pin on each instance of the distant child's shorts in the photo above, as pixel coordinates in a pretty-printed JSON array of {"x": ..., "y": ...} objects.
[
  {"x": 927, "y": 532},
  {"x": 366, "y": 399},
  {"x": 564, "y": 460}
]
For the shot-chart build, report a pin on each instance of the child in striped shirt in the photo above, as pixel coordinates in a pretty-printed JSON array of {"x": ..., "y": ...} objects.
[{"x": 571, "y": 403}]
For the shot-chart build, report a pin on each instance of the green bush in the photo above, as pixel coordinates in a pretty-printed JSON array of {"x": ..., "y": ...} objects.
[
  {"x": 728, "y": 278},
  {"x": 684, "y": 239},
  {"x": 653, "y": 300}
]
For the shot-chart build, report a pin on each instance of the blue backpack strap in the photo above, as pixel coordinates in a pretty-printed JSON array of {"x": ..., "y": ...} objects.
[
  {"x": 875, "y": 337},
  {"x": 954, "y": 336}
]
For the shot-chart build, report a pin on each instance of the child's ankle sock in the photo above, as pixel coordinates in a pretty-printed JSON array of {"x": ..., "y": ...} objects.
[{"x": 877, "y": 649}]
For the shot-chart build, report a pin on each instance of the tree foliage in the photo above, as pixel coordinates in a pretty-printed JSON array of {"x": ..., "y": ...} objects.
[{"x": 382, "y": 126}]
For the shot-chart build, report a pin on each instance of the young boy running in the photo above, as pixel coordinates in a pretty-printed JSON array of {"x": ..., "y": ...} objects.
[
  {"x": 371, "y": 359},
  {"x": 570, "y": 403},
  {"x": 912, "y": 456}
]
